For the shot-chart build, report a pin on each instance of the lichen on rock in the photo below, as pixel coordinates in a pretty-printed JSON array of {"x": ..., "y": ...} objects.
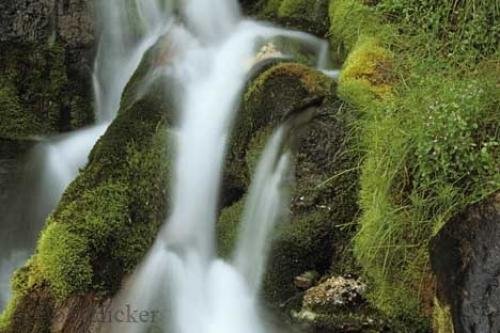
[
  {"x": 335, "y": 291},
  {"x": 338, "y": 304}
]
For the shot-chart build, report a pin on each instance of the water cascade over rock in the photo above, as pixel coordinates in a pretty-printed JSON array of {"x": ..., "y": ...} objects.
[
  {"x": 55, "y": 161},
  {"x": 181, "y": 280}
]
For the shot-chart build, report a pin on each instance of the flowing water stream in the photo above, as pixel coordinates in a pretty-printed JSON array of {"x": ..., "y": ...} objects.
[
  {"x": 181, "y": 279},
  {"x": 55, "y": 161}
]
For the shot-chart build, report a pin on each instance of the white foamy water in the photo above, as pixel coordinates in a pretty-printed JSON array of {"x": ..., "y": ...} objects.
[
  {"x": 181, "y": 280},
  {"x": 55, "y": 162},
  {"x": 264, "y": 207}
]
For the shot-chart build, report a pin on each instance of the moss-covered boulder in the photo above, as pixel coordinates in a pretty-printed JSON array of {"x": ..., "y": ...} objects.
[
  {"x": 106, "y": 220},
  {"x": 305, "y": 15},
  {"x": 324, "y": 198},
  {"x": 269, "y": 95}
]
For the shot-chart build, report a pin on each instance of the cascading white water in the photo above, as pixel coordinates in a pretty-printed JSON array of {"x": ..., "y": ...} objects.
[
  {"x": 181, "y": 281},
  {"x": 56, "y": 161},
  {"x": 264, "y": 207}
]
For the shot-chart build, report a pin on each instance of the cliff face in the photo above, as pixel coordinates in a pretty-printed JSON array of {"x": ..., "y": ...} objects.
[
  {"x": 35, "y": 21},
  {"x": 45, "y": 61}
]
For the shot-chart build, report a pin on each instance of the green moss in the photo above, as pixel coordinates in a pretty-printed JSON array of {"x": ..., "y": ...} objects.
[
  {"x": 14, "y": 122},
  {"x": 291, "y": 8},
  {"x": 109, "y": 216},
  {"x": 312, "y": 81},
  {"x": 62, "y": 259},
  {"x": 38, "y": 93},
  {"x": 351, "y": 21},
  {"x": 272, "y": 6},
  {"x": 256, "y": 147},
  {"x": 228, "y": 227},
  {"x": 326, "y": 173},
  {"x": 367, "y": 73},
  {"x": 276, "y": 89},
  {"x": 310, "y": 16},
  {"x": 425, "y": 159},
  {"x": 294, "y": 251},
  {"x": 18, "y": 283},
  {"x": 24, "y": 281},
  {"x": 429, "y": 141}
]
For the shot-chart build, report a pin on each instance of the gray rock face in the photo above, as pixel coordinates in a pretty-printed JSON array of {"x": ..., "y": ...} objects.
[
  {"x": 46, "y": 51},
  {"x": 39, "y": 20},
  {"x": 465, "y": 257}
]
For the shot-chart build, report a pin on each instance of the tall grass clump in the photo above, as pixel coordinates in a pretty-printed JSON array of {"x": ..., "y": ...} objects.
[{"x": 431, "y": 145}]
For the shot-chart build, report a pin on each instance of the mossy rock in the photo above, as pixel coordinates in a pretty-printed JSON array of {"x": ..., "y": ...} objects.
[
  {"x": 326, "y": 174},
  {"x": 367, "y": 73},
  {"x": 250, "y": 7},
  {"x": 39, "y": 94},
  {"x": 276, "y": 89},
  {"x": 228, "y": 227},
  {"x": 107, "y": 218},
  {"x": 304, "y": 15}
]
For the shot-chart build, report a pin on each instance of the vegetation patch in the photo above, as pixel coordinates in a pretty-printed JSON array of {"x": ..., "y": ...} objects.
[
  {"x": 37, "y": 95},
  {"x": 305, "y": 15},
  {"x": 428, "y": 130},
  {"x": 109, "y": 216}
]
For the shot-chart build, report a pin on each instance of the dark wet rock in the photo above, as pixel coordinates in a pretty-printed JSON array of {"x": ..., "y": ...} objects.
[
  {"x": 80, "y": 314},
  {"x": 11, "y": 166},
  {"x": 249, "y": 6},
  {"x": 46, "y": 51},
  {"x": 306, "y": 15},
  {"x": 465, "y": 257},
  {"x": 38, "y": 21}
]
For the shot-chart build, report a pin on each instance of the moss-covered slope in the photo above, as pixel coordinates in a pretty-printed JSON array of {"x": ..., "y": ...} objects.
[
  {"x": 305, "y": 15},
  {"x": 107, "y": 218},
  {"x": 39, "y": 92},
  {"x": 428, "y": 96}
]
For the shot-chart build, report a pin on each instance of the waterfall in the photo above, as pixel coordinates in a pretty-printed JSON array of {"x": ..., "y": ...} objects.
[
  {"x": 55, "y": 161},
  {"x": 181, "y": 281},
  {"x": 264, "y": 207}
]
